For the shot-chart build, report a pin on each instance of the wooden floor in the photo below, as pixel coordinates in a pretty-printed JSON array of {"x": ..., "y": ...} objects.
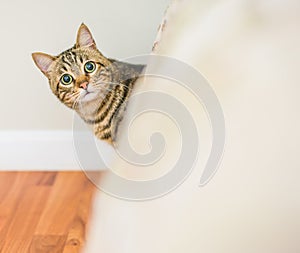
[{"x": 43, "y": 212}]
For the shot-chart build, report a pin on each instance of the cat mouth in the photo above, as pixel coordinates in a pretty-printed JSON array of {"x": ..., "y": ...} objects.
[{"x": 88, "y": 96}]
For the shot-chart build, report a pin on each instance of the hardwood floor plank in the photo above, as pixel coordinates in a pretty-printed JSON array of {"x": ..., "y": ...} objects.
[
  {"x": 10, "y": 191},
  {"x": 47, "y": 244},
  {"x": 7, "y": 181},
  {"x": 46, "y": 178},
  {"x": 44, "y": 211},
  {"x": 76, "y": 236},
  {"x": 21, "y": 228},
  {"x": 62, "y": 204}
]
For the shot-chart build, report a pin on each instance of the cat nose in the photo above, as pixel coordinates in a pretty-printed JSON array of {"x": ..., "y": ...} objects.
[{"x": 84, "y": 85}]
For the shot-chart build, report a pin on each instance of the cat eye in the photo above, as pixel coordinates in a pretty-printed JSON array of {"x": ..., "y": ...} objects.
[
  {"x": 66, "y": 79},
  {"x": 90, "y": 67}
]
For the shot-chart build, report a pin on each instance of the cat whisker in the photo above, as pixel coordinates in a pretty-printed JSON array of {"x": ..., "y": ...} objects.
[
  {"x": 77, "y": 101},
  {"x": 100, "y": 86},
  {"x": 105, "y": 90},
  {"x": 109, "y": 82}
]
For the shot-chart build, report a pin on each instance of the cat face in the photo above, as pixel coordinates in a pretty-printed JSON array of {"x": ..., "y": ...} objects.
[{"x": 80, "y": 76}]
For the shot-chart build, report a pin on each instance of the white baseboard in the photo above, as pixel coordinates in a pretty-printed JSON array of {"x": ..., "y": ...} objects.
[{"x": 37, "y": 151}]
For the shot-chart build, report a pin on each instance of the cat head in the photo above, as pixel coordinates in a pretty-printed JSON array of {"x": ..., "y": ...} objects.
[{"x": 80, "y": 75}]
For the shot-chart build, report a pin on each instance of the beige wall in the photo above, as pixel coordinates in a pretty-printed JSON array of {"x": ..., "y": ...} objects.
[{"x": 121, "y": 29}]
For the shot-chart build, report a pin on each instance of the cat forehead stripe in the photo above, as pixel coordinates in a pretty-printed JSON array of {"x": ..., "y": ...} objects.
[
  {"x": 66, "y": 61},
  {"x": 71, "y": 57}
]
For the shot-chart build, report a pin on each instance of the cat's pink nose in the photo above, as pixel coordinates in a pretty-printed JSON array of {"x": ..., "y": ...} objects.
[{"x": 84, "y": 85}]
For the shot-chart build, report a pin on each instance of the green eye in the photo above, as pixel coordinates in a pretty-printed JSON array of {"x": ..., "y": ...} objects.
[
  {"x": 66, "y": 79},
  {"x": 90, "y": 67}
]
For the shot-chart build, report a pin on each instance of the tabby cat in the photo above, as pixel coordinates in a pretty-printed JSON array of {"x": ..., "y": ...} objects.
[{"x": 96, "y": 87}]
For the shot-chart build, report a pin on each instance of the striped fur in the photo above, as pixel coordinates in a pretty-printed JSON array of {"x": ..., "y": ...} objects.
[{"x": 104, "y": 100}]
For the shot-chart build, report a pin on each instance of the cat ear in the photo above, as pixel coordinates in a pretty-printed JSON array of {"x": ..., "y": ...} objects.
[
  {"x": 43, "y": 61},
  {"x": 85, "y": 37}
]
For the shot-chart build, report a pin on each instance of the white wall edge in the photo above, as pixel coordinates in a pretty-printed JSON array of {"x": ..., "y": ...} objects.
[{"x": 37, "y": 151}]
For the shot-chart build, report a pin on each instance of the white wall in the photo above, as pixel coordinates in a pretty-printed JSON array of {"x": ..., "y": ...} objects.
[{"x": 121, "y": 29}]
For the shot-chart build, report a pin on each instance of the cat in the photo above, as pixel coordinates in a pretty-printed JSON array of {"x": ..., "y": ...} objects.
[{"x": 95, "y": 86}]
